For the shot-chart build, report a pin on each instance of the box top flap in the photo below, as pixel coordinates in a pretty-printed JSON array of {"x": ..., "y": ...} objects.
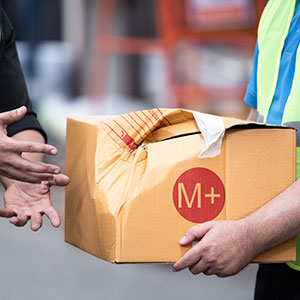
[{"x": 132, "y": 129}]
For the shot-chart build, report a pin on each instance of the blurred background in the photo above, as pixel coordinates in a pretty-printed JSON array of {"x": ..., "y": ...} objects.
[{"x": 88, "y": 57}]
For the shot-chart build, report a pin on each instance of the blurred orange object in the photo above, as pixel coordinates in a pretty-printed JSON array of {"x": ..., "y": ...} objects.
[
  {"x": 214, "y": 14},
  {"x": 172, "y": 29}
]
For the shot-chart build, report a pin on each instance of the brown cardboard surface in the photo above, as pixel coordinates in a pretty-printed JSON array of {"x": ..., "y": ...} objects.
[{"x": 123, "y": 171}]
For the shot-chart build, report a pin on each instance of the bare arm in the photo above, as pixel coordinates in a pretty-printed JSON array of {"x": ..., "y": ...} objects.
[{"x": 279, "y": 218}]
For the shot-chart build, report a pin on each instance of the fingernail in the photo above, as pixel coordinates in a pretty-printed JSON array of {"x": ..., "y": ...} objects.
[
  {"x": 53, "y": 151},
  {"x": 56, "y": 171},
  {"x": 21, "y": 110},
  {"x": 173, "y": 269},
  {"x": 183, "y": 239}
]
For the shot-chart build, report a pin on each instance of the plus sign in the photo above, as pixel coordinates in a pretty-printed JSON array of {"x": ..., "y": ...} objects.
[{"x": 212, "y": 195}]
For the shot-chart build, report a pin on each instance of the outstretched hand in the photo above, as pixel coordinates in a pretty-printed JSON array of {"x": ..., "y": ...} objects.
[
  {"x": 224, "y": 248},
  {"x": 12, "y": 164},
  {"x": 24, "y": 201}
]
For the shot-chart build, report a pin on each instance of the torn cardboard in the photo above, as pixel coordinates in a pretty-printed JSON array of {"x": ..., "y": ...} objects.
[{"x": 137, "y": 183}]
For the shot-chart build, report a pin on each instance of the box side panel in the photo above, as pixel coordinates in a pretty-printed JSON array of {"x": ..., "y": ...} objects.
[
  {"x": 151, "y": 224},
  {"x": 281, "y": 253},
  {"x": 89, "y": 225},
  {"x": 260, "y": 163}
]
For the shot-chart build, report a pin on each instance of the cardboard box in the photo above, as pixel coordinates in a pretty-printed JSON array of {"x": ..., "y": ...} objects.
[{"x": 137, "y": 183}]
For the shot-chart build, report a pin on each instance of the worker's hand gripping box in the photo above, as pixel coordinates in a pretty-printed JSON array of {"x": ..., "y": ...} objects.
[{"x": 140, "y": 180}]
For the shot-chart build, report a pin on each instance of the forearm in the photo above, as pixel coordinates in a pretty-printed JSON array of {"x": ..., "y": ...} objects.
[
  {"x": 29, "y": 136},
  {"x": 275, "y": 222}
]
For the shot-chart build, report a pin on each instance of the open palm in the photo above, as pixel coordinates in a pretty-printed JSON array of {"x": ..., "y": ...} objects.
[{"x": 24, "y": 201}]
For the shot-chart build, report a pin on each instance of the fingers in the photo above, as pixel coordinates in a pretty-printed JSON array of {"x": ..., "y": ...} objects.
[
  {"x": 7, "y": 213},
  {"x": 36, "y": 222},
  {"x": 36, "y": 219},
  {"x": 26, "y": 176},
  {"x": 194, "y": 255},
  {"x": 195, "y": 232},
  {"x": 59, "y": 180},
  {"x": 12, "y": 116},
  {"x": 20, "y": 220},
  {"x": 53, "y": 216},
  {"x": 37, "y": 167},
  {"x": 199, "y": 267},
  {"x": 14, "y": 166},
  {"x": 189, "y": 259},
  {"x": 32, "y": 147},
  {"x": 22, "y": 169}
]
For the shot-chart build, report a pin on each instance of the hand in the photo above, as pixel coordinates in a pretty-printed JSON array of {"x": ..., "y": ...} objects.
[
  {"x": 24, "y": 201},
  {"x": 12, "y": 164},
  {"x": 224, "y": 248}
]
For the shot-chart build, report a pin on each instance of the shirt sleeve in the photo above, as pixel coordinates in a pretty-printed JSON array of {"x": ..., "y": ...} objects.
[
  {"x": 251, "y": 93},
  {"x": 13, "y": 90}
]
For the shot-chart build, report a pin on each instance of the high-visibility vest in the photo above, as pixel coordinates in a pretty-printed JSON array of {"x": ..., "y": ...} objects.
[{"x": 272, "y": 31}]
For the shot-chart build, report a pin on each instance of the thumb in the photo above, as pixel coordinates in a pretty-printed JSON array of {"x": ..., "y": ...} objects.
[
  {"x": 195, "y": 232},
  {"x": 12, "y": 116},
  {"x": 59, "y": 180}
]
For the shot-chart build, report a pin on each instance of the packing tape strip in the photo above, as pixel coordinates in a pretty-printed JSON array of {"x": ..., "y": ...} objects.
[{"x": 213, "y": 130}]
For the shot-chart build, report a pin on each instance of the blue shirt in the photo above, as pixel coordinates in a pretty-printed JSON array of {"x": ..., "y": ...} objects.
[{"x": 285, "y": 76}]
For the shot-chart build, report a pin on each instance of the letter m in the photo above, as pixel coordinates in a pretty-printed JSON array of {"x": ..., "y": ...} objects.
[{"x": 182, "y": 191}]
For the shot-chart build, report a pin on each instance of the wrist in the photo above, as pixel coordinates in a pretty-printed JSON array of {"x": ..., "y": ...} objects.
[{"x": 254, "y": 239}]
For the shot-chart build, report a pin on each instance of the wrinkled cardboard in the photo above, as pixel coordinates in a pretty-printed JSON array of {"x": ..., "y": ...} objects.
[{"x": 120, "y": 203}]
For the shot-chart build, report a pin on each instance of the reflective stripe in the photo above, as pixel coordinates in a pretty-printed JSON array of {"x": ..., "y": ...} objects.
[
  {"x": 295, "y": 125},
  {"x": 295, "y": 265},
  {"x": 260, "y": 118},
  {"x": 272, "y": 31}
]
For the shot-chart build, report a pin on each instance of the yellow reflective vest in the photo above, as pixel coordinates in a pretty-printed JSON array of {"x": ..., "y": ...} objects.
[{"x": 272, "y": 32}]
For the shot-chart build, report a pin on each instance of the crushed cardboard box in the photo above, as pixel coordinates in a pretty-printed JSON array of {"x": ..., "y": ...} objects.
[{"x": 140, "y": 180}]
